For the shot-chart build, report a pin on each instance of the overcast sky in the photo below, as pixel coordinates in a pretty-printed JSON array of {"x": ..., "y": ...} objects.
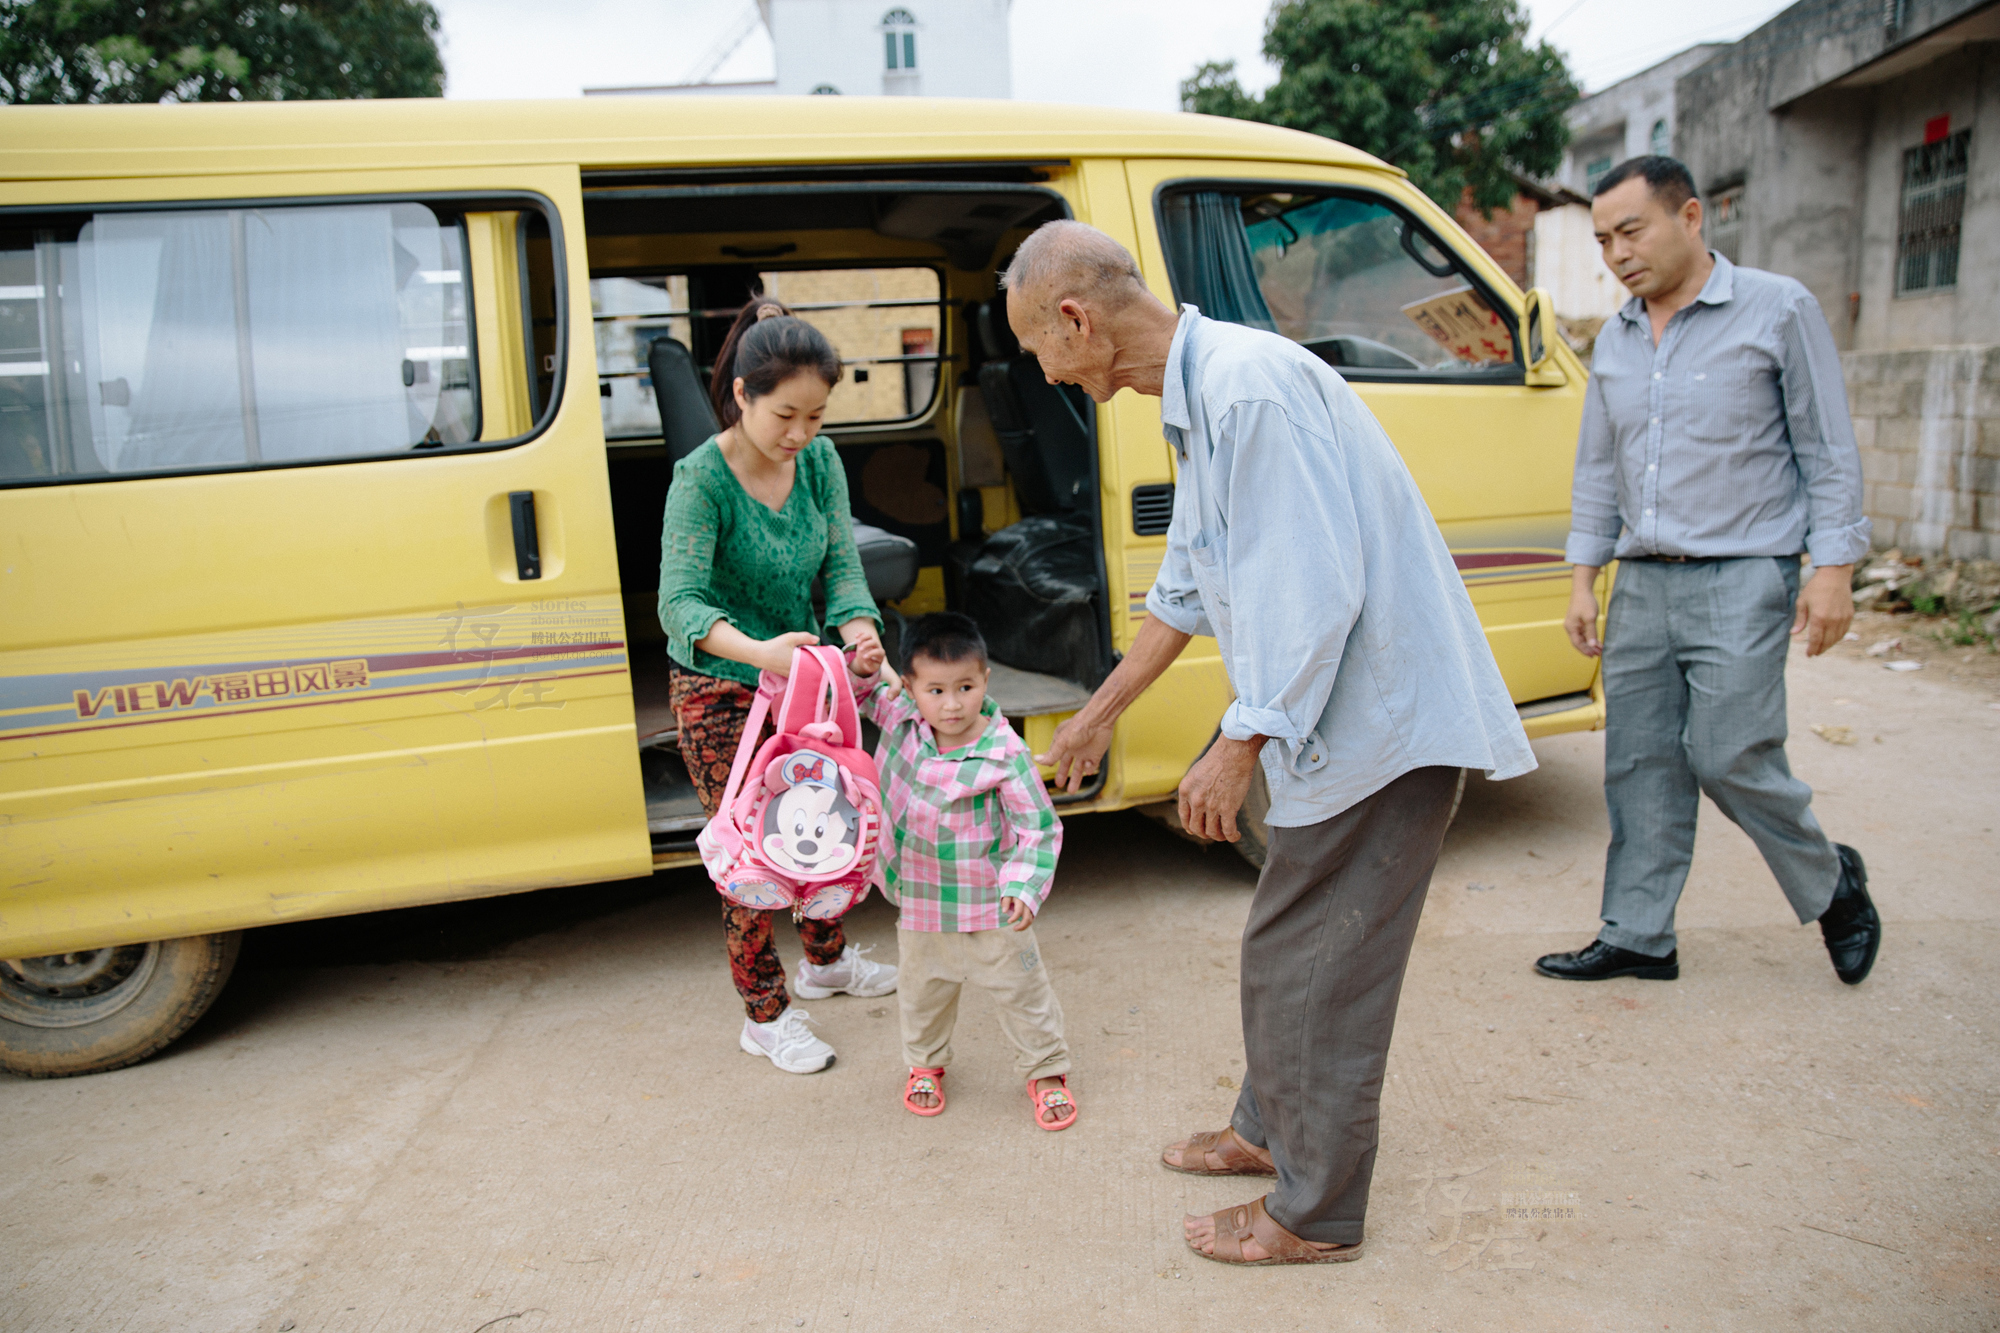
[{"x": 1129, "y": 53}]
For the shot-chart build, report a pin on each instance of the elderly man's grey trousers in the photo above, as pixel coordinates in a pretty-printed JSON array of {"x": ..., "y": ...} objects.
[
  {"x": 1323, "y": 957},
  {"x": 1694, "y": 692}
]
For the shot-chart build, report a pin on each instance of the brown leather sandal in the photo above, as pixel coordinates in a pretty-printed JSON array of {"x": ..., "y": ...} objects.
[
  {"x": 1235, "y": 1225},
  {"x": 1236, "y": 1160}
]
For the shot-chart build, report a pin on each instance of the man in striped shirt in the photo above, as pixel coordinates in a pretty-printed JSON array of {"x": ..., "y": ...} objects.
[{"x": 975, "y": 840}]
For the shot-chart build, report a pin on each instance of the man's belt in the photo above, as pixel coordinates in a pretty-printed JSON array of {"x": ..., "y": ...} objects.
[{"x": 1676, "y": 559}]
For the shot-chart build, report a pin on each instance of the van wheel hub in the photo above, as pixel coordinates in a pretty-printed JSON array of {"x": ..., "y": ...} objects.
[{"x": 61, "y": 990}]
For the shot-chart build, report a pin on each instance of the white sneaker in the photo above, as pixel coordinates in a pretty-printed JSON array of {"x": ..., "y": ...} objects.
[
  {"x": 786, "y": 1042},
  {"x": 853, "y": 973}
]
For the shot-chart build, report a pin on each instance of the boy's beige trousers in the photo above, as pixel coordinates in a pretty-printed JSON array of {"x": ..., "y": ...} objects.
[{"x": 1006, "y": 965}]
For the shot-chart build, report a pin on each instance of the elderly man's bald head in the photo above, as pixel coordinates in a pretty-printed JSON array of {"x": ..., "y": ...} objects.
[{"x": 1063, "y": 260}]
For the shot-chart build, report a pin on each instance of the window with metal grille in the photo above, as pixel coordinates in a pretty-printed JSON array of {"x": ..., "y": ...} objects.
[
  {"x": 1152, "y": 509},
  {"x": 1933, "y": 207}
]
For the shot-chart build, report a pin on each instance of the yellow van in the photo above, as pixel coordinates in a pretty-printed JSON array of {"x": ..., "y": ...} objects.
[{"x": 334, "y": 439}]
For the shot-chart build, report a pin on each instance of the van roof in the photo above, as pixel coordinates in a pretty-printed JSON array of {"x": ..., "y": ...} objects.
[{"x": 80, "y": 142}]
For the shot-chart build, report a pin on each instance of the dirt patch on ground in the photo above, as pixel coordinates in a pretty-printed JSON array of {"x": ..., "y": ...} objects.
[{"x": 1937, "y": 643}]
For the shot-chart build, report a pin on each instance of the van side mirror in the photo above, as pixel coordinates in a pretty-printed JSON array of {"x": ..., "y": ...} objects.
[{"x": 1538, "y": 322}]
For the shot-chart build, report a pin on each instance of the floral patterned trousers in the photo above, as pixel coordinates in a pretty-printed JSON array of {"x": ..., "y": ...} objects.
[{"x": 712, "y": 713}]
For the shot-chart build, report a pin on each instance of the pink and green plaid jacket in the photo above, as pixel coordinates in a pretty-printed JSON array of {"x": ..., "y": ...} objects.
[{"x": 970, "y": 827}]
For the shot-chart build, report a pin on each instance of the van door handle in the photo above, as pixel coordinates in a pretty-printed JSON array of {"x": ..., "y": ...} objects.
[{"x": 527, "y": 542}]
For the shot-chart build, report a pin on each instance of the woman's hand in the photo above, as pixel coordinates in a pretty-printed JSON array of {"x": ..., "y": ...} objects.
[{"x": 775, "y": 655}]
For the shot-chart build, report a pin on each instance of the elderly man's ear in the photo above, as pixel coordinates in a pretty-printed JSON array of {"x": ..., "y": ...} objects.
[{"x": 1072, "y": 313}]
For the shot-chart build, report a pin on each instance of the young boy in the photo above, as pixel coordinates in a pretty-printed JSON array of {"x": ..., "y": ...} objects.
[{"x": 975, "y": 839}]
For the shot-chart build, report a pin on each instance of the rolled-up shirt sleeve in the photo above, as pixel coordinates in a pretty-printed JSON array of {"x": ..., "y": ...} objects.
[
  {"x": 1829, "y": 461},
  {"x": 1594, "y": 524},
  {"x": 1291, "y": 525},
  {"x": 1175, "y": 598}
]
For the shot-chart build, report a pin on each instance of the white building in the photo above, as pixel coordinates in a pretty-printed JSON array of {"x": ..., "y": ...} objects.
[{"x": 895, "y": 48}]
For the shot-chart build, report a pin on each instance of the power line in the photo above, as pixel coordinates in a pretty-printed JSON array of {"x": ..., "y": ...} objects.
[{"x": 1560, "y": 17}]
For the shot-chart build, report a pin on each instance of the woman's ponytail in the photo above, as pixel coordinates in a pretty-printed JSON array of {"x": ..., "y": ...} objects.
[{"x": 766, "y": 346}]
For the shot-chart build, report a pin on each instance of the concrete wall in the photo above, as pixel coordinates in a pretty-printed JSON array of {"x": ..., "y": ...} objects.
[
  {"x": 1928, "y": 422},
  {"x": 1617, "y": 121},
  {"x": 1959, "y": 85},
  {"x": 1569, "y": 262},
  {"x": 1817, "y": 144}
]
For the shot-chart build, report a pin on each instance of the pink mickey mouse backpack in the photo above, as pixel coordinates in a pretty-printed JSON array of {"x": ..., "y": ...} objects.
[{"x": 802, "y": 814}]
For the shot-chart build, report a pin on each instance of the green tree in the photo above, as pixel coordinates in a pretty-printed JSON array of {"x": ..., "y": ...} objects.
[
  {"x": 217, "y": 50},
  {"x": 1448, "y": 90}
]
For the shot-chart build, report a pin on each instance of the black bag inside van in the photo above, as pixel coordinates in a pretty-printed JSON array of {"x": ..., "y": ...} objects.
[{"x": 1031, "y": 587}]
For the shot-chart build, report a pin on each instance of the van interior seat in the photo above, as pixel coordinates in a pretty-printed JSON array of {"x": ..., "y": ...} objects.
[
  {"x": 1044, "y": 438},
  {"x": 1036, "y": 588},
  {"x": 687, "y": 419}
]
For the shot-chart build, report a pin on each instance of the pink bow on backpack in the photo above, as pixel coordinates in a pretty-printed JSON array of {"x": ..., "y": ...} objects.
[{"x": 801, "y": 819}]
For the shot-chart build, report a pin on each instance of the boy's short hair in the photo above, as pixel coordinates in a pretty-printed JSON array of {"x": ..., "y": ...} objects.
[{"x": 944, "y": 637}]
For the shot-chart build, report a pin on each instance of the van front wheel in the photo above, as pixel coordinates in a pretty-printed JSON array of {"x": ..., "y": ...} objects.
[
  {"x": 90, "y": 1010},
  {"x": 1253, "y": 840}
]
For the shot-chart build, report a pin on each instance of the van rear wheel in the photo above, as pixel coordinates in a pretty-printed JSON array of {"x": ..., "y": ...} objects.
[
  {"x": 90, "y": 1010},
  {"x": 1253, "y": 841}
]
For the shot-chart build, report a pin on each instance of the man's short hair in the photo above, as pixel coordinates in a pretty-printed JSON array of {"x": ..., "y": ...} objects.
[
  {"x": 944, "y": 637},
  {"x": 1666, "y": 177},
  {"x": 1065, "y": 258}
]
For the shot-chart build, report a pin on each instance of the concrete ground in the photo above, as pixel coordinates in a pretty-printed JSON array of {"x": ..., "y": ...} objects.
[{"x": 530, "y": 1114}]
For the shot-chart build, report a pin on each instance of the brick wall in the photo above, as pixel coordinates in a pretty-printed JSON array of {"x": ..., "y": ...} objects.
[
  {"x": 1506, "y": 235},
  {"x": 1928, "y": 422}
]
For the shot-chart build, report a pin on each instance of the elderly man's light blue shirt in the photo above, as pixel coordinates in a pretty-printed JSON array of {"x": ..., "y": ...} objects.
[
  {"x": 1301, "y": 543},
  {"x": 1730, "y": 438}
]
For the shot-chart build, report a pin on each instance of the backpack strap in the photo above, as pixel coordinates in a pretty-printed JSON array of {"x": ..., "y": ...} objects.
[
  {"x": 746, "y": 746},
  {"x": 816, "y": 692}
]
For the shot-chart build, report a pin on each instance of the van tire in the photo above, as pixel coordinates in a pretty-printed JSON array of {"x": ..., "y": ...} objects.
[
  {"x": 1253, "y": 840},
  {"x": 91, "y": 1010}
]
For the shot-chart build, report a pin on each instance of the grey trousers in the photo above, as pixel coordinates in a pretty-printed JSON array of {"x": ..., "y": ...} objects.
[
  {"x": 1694, "y": 692},
  {"x": 1323, "y": 958}
]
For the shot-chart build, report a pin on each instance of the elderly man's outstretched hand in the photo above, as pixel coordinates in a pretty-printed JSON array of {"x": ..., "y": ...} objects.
[{"x": 1076, "y": 751}]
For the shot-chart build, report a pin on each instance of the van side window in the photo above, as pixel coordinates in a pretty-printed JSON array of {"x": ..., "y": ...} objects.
[
  {"x": 198, "y": 339},
  {"x": 887, "y": 323},
  {"x": 1347, "y": 274}
]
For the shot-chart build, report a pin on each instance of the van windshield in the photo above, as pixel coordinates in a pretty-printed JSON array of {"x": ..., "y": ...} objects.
[{"x": 1349, "y": 276}]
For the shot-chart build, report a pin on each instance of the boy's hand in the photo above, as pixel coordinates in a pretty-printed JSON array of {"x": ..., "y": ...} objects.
[
  {"x": 868, "y": 657},
  {"x": 1018, "y": 912}
]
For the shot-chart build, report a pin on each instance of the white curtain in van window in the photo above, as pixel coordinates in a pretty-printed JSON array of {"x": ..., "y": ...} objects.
[
  {"x": 160, "y": 340},
  {"x": 232, "y": 336},
  {"x": 326, "y": 331}
]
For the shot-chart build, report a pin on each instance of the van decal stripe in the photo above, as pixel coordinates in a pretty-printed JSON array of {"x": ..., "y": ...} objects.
[{"x": 506, "y": 683}]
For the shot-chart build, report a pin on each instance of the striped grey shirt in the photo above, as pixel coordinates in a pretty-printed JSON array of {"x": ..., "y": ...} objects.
[{"x": 1730, "y": 438}]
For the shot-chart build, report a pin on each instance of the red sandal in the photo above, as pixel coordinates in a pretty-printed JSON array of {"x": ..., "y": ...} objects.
[
  {"x": 924, "y": 1080},
  {"x": 1052, "y": 1099}
]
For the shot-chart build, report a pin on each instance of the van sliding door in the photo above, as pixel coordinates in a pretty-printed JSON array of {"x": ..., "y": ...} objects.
[{"x": 311, "y": 597}]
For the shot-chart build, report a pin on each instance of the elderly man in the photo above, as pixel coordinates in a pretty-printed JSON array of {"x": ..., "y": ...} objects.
[
  {"x": 1715, "y": 449},
  {"x": 1363, "y": 684}
]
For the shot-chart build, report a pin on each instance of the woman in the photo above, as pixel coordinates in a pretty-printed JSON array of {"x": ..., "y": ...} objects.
[{"x": 754, "y": 516}]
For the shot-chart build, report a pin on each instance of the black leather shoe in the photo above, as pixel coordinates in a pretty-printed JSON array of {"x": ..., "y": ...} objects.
[
  {"x": 1602, "y": 961},
  {"x": 1852, "y": 927}
]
